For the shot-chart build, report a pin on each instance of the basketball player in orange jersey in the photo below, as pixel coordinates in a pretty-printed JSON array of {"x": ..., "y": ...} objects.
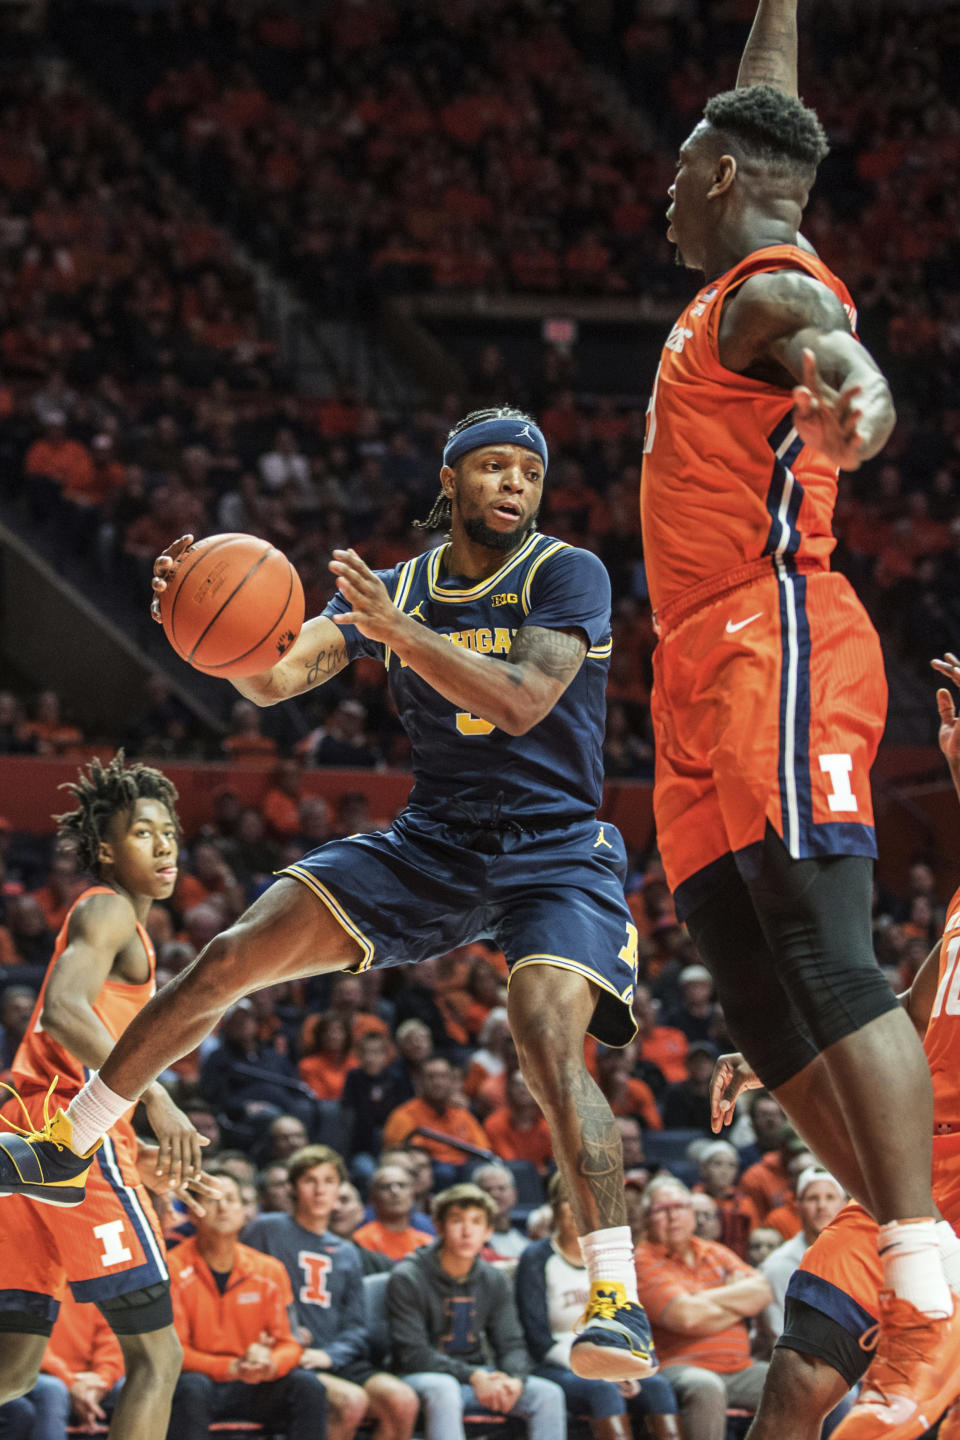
[
  {"x": 110, "y": 1251},
  {"x": 769, "y": 695},
  {"x": 832, "y": 1299}
]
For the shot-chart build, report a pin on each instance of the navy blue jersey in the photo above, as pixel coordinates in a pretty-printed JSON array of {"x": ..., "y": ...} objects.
[{"x": 555, "y": 770}]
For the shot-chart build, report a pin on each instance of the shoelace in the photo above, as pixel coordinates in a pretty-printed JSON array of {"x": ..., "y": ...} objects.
[
  {"x": 888, "y": 1368},
  {"x": 46, "y": 1132},
  {"x": 603, "y": 1306}
]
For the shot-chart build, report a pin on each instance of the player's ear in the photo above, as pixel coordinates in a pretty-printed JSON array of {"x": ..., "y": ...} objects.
[
  {"x": 448, "y": 481},
  {"x": 105, "y": 853},
  {"x": 723, "y": 176}
]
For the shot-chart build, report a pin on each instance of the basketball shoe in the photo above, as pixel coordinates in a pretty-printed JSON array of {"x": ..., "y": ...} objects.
[
  {"x": 912, "y": 1378},
  {"x": 43, "y": 1163},
  {"x": 614, "y": 1341}
]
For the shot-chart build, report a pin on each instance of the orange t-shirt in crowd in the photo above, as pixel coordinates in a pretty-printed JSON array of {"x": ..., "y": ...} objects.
[
  {"x": 215, "y": 1329},
  {"x": 324, "y": 1076},
  {"x": 68, "y": 463},
  {"x": 454, "y": 1121},
  {"x": 82, "y": 1341},
  {"x": 281, "y": 813},
  {"x": 637, "y": 1099},
  {"x": 395, "y": 1244},
  {"x": 533, "y": 1144},
  {"x": 767, "y": 1184},
  {"x": 786, "y": 1219},
  {"x": 666, "y": 1048},
  {"x": 661, "y": 1277}
]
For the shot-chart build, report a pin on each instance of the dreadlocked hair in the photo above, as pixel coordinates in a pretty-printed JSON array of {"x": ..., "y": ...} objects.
[
  {"x": 441, "y": 514},
  {"x": 770, "y": 126},
  {"x": 106, "y": 791}
]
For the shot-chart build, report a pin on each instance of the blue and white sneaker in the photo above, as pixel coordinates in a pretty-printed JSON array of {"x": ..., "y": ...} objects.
[
  {"x": 614, "y": 1340},
  {"x": 43, "y": 1164}
]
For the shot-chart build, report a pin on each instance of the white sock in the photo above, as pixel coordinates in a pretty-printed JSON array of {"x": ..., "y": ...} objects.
[
  {"x": 948, "y": 1244},
  {"x": 93, "y": 1111},
  {"x": 608, "y": 1255},
  {"x": 912, "y": 1269}
]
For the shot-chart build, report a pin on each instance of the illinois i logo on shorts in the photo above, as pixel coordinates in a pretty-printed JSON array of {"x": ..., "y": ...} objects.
[{"x": 841, "y": 798}]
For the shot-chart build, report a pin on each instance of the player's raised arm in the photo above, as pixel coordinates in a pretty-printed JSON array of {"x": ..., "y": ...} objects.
[
  {"x": 786, "y": 326},
  {"x": 512, "y": 694},
  {"x": 770, "y": 55}
]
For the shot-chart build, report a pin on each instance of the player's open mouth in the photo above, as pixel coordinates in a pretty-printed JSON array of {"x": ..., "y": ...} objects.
[{"x": 508, "y": 511}]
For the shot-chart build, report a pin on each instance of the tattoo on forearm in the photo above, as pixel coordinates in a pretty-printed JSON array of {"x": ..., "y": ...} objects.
[
  {"x": 557, "y": 653},
  {"x": 324, "y": 664}
]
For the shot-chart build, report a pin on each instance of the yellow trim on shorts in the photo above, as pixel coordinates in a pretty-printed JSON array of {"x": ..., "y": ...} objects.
[
  {"x": 600, "y": 652},
  {"x": 563, "y": 962},
  {"x": 337, "y": 911}
]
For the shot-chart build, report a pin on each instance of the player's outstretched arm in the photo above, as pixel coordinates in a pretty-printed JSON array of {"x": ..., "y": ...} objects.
[
  {"x": 318, "y": 652},
  {"x": 785, "y": 327},
  {"x": 770, "y": 56},
  {"x": 513, "y": 694}
]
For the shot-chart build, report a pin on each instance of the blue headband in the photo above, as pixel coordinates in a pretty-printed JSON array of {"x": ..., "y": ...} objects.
[{"x": 500, "y": 431}]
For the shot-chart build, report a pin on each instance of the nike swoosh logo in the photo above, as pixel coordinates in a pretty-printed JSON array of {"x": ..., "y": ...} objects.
[{"x": 733, "y": 628}]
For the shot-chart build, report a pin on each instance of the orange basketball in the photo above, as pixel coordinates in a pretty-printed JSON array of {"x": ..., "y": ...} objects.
[{"x": 233, "y": 605}]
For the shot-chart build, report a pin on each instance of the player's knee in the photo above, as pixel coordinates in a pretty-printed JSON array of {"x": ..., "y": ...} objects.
[
  {"x": 799, "y": 1392},
  {"x": 153, "y": 1361}
]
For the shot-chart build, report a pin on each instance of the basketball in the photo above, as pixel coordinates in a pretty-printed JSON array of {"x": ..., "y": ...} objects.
[{"x": 233, "y": 605}]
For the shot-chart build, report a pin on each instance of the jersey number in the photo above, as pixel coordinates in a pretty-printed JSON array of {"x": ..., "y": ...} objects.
[
  {"x": 948, "y": 991},
  {"x": 469, "y": 724},
  {"x": 628, "y": 950},
  {"x": 314, "y": 1267}
]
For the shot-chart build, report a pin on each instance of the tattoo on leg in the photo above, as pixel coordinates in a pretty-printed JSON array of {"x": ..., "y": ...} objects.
[{"x": 600, "y": 1156}]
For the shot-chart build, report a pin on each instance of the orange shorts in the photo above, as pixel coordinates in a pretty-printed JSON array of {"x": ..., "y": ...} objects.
[
  {"x": 108, "y": 1246},
  {"x": 840, "y": 1274},
  {"x": 768, "y": 705}
]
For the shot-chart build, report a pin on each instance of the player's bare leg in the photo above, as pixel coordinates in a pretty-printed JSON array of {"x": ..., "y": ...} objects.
[
  {"x": 151, "y": 1364},
  {"x": 20, "y": 1360},
  {"x": 286, "y": 933},
  {"x": 798, "y": 1394},
  {"x": 550, "y": 1010}
]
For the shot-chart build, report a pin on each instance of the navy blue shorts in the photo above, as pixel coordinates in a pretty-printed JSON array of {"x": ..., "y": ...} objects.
[{"x": 550, "y": 896}]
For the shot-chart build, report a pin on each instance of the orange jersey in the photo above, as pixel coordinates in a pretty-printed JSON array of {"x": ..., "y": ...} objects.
[
  {"x": 726, "y": 479},
  {"x": 39, "y": 1057},
  {"x": 942, "y": 1040}
]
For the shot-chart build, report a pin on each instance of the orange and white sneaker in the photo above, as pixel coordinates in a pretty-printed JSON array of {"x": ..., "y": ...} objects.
[
  {"x": 913, "y": 1377},
  {"x": 950, "y": 1429}
]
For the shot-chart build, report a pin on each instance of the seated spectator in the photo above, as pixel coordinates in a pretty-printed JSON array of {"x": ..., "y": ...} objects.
[
  {"x": 785, "y": 1218},
  {"x": 696, "y": 1015},
  {"x": 763, "y": 1241},
  {"x": 240, "y": 1359},
  {"x": 373, "y": 1087},
  {"x": 206, "y": 873},
  {"x": 326, "y": 1277},
  {"x": 240, "y": 1076},
  {"x": 342, "y": 740},
  {"x": 697, "y": 1294},
  {"x": 52, "y": 735},
  {"x": 631, "y": 1138},
  {"x": 84, "y": 1362},
  {"x": 480, "y": 1362},
  {"x": 285, "y": 1136},
  {"x": 33, "y": 940},
  {"x": 273, "y": 1189},
  {"x": 246, "y": 743},
  {"x": 16, "y": 1007},
  {"x": 551, "y": 1290},
  {"x": 391, "y": 1232},
  {"x": 238, "y": 1164},
  {"x": 767, "y": 1183},
  {"x": 325, "y": 1064},
  {"x": 719, "y": 1167},
  {"x": 659, "y": 1045},
  {"x": 506, "y": 1241},
  {"x": 626, "y": 1094},
  {"x": 420, "y": 1167},
  {"x": 756, "y": 1131},
  {"x": 820, "y": 1198},
  {"x": 491, "y": 1058},
  {"x": 687, "y": 1106},
  {"x": 250, "y": 853},
  {"x": 706, "y": 1216},
  {"x": 518, "y": 1131},
  {"x": 282, "y": 803},
  {"x": 433, "y": 1109},
  {"x": 414, "y": 1043}
]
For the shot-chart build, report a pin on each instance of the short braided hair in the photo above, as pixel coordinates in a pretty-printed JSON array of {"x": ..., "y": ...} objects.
[
  {"x": 105, "y": 791},
  {"x": 442, "y": 512},
  {"x": 770, "y": 126}
]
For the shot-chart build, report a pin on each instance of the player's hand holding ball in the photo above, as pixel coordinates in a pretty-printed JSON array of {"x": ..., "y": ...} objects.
[{"x": 230, "y": 605}]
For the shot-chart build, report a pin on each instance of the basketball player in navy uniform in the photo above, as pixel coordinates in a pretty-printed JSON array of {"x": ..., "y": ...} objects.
[{"x": 497, "y": 646}]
